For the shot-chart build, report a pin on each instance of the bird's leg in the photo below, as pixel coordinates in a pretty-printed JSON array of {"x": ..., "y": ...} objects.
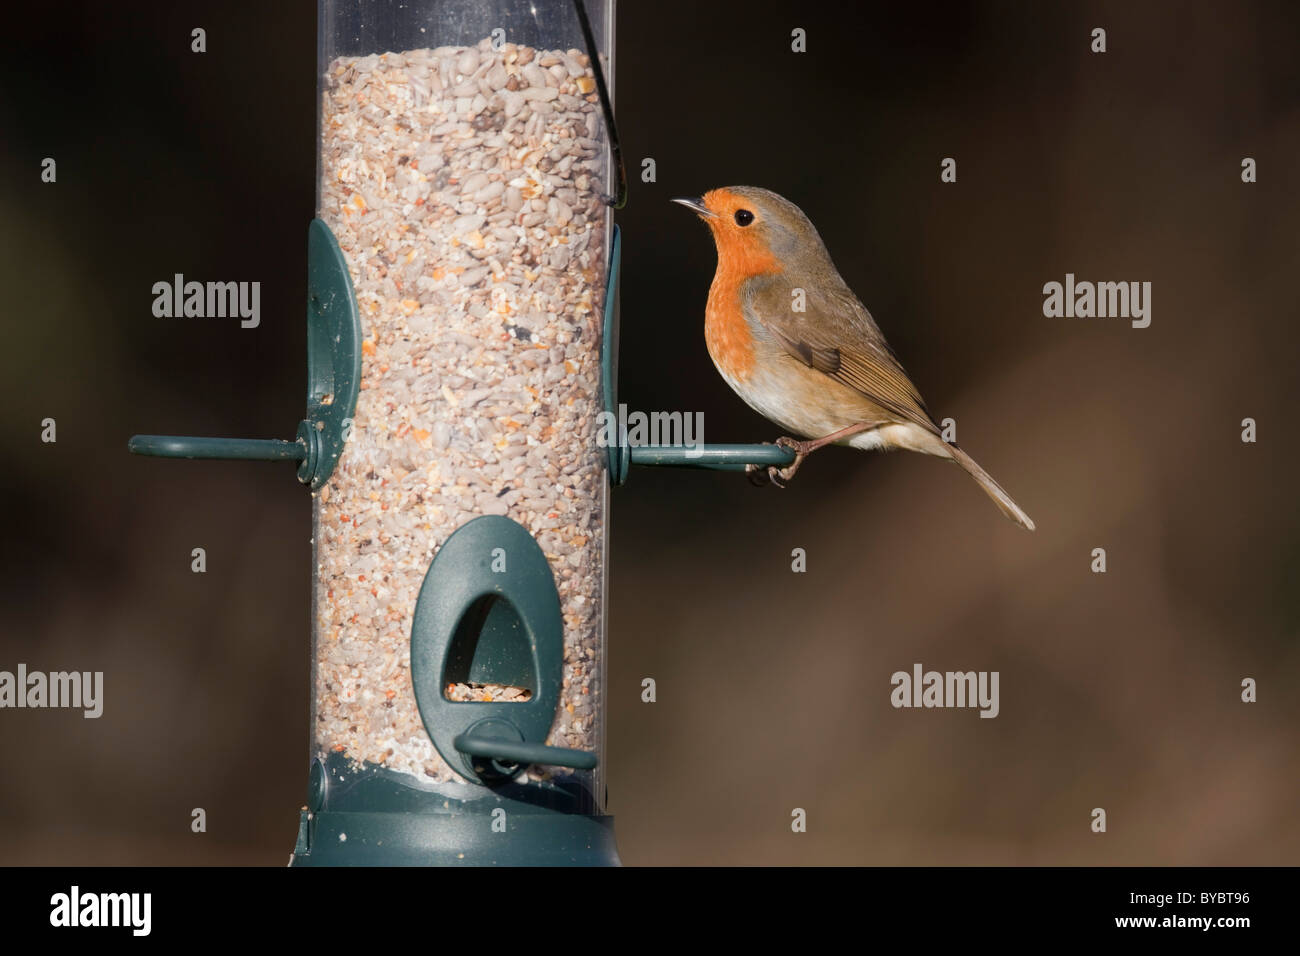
[
  {"x": 847, "y": 432},
  {"x": 802, "y": 449},
  {"x": 779, "y": 476}
]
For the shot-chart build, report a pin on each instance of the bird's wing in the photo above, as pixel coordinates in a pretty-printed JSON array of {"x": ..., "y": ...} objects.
[{"x": 836, "y": 335}]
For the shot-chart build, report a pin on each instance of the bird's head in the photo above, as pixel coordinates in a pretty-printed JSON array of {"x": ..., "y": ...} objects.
[{"x": 757, "y": 231}]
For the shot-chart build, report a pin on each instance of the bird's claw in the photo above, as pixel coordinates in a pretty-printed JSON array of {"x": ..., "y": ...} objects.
[{"x": 760, "y": 475}]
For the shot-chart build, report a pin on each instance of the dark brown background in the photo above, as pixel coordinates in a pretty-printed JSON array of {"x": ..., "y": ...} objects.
[{"x": 1118, "y": 690}]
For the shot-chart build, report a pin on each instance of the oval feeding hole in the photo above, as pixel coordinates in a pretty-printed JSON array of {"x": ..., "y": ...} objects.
[
  {"x": 487, "y": 693},
  {"x": 490, "y": 657}
]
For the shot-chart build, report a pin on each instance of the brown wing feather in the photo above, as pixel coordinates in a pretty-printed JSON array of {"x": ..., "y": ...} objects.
[{"x": 836, "y": 336}]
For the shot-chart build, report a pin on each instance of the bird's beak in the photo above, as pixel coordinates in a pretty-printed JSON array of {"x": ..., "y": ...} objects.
[{"x": 696, "y": 206}]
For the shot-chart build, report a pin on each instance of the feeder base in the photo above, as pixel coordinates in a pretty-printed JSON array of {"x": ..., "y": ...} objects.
[
  {"x": 454, "y": 839},
  {"x": 370, "y": 816}
]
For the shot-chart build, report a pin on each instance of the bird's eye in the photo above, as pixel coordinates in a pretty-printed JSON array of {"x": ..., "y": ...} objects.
[{"x": 744, "y": 217}]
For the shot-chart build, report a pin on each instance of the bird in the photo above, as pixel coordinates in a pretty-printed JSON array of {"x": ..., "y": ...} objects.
[{"x": 789, "y": 336}]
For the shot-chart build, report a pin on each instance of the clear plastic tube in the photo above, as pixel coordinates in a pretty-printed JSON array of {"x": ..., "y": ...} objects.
[{"x": 463, "y": 167}]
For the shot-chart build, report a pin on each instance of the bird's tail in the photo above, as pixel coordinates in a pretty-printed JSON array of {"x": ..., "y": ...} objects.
[{"x": 991, "y": 488}]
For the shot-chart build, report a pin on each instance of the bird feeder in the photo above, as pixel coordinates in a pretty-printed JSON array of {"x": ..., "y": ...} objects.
[{"x": 461, "y": 340}]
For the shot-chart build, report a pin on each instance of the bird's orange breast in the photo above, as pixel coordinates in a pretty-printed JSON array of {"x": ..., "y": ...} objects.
[
  {"x": 727, "y": 335},
  {"x": 726, "y": 331}
]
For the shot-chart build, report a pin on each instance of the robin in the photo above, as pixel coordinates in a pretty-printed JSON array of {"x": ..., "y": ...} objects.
[{"x": 794, "y": 342}]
